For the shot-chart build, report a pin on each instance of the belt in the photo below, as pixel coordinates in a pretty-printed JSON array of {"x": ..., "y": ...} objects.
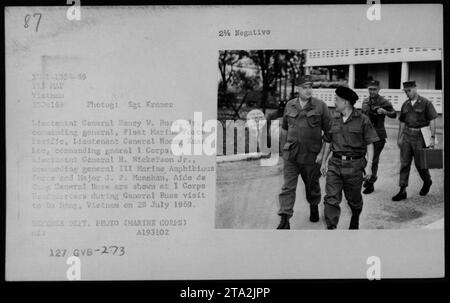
[
  {"x": 412, "y": 128},
  {"x": 347, "y": 157}
]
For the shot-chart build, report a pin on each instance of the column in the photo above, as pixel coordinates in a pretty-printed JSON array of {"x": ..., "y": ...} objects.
[
  {"x": 404, "y": 73},
  {"x": 351, "y": 76},
  {"x": 307, "y": 70}
]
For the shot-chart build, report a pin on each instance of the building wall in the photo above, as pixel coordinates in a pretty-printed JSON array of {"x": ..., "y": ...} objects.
[
  {"x": 424, "y": 73},
  {"x": 326, "y": 57}
]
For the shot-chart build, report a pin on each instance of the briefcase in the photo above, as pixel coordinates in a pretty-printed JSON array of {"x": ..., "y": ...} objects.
[{"x": 430, "y": 158}]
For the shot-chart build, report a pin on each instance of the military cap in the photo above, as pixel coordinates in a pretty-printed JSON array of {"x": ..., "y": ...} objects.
[
  {"x": 306, "y": 79},
  {"x": 347, "y": 94},
  {"x": 373, "y": 83},
  {"x": 409, "y": 84}
]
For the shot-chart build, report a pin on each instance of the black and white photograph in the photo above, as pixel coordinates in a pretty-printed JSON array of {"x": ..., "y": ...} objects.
[
  {"x": 360, "y": 139},
  {"x": 224, "y": 142}
]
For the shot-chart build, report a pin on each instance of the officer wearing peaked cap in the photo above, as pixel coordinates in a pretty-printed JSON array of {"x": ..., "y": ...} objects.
[
  {"x": 349, "y": 137},
  {"x": 304, "y": 120}
]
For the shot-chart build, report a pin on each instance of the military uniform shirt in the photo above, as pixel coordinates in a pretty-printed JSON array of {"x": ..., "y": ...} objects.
[
  {"x": 351, "y": 137},
  {"x": 304, "y": 127},
  {"x": 369, "y": 108},
  {"x": 418, "y": 115}
]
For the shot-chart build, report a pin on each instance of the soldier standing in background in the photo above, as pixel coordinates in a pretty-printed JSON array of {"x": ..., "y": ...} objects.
[
  {"x": 416, "y": 112},
  {"x": 304, "y": 119},
  {"x": 376, "y": 107}
]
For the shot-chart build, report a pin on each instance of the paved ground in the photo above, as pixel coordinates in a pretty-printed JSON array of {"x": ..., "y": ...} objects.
[{"x": 247, "y": 197}]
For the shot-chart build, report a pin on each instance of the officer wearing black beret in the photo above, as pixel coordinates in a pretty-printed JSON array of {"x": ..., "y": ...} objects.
[
  {"x": 349, "y": 138},
  {"x": 304, "y": 120},
  {"x": 416, "y": 112},
  {"x": 376, "y": 107}
]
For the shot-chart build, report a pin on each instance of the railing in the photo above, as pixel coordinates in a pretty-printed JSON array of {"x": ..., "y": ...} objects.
[
  {"x": 323, "y": 57},
  {"x": 396, "y": 96}
]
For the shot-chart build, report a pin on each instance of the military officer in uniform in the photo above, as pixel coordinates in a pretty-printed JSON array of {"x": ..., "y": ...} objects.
[
  {"x": 376, "y": 107},
  {"x": 416, "y": 112},
  {"x": 349, "y": 138},
  {"x": 304, "y": 119}
]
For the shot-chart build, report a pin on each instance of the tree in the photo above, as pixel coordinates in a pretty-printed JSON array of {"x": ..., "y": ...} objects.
[
  {"x": 227, "y": 59},
  {"x": 293, "y": 65},
  {"x": 288, "y": 64},
  {"x": 244, "y": 83},
  {"x": 265, "y": 60},
  {"x": 277, "y": 63},
  {"x": 272, "y": 65}
]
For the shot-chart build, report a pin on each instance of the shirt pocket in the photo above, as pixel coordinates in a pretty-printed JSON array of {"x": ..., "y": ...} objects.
[
  {"x": 404, "y": 111},
  {"x": 291, "y": 117},
  {"x": 333, "y": 133},
  {"x": 289, "y": 150},
  {"x": 407, "y": 114},
  {"x": 313, "y": 118},
  {"x": 355, "y": 136},
  {"x": 420, "y": 114},
  {"x": 335, "y": 129},
  {"x": 287, "y": 145}
]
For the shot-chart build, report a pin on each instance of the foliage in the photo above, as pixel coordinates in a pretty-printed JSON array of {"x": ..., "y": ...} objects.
[{"x": 270, "y": 66}]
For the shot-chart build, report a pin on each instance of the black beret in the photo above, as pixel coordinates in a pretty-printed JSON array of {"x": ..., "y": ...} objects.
[
  {"x": 347, "y": 94},
  {"x": 306, "y": 79},
  {"x": 373, "y": 83},
  {"x": 409, "y": 84}
]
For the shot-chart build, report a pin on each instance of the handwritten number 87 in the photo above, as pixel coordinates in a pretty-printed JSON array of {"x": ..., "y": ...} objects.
[{"x": 28, "y": 17}]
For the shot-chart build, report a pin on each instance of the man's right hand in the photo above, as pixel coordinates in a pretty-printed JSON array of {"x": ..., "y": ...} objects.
[
  {"x": 381, "y": 111},
  {"x": 400, "y": 141}
]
